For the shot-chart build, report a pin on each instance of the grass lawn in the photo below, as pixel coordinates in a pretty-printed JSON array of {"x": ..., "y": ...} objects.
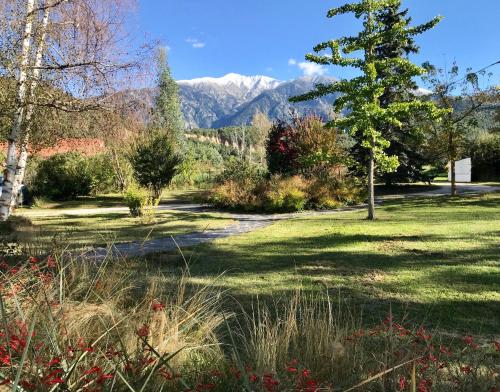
[
  {"x": 73, "y": 231},
  {"x": 437, "y": 259}
]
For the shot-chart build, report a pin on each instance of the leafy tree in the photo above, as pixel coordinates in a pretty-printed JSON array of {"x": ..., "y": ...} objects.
[
  {"x": 155, "y": 162},
  {"x": 461, "y": 98},
  {"x": 304, "y": 146},
  {"x": 167, "y": 115},
  {"x": 361, "y": 95}
]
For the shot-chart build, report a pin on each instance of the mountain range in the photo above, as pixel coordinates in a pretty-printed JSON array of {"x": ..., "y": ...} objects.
[{"x": 234, "y": 99}]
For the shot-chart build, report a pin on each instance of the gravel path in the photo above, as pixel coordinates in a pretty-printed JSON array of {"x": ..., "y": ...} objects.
[{"x": 245, "y": 223}]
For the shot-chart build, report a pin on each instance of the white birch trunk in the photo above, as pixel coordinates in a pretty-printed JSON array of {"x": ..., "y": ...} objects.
[
  {"x": 22, "y": 81},
  {"x": 23, "y": 156}
]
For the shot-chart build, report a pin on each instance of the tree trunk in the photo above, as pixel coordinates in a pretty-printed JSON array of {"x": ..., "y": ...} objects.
[
  {"x": 6, "y": 200},
  {"x": 23, "y": 156},
  {"x": 371, "y": 186},
  {"x": 453, "y": 178}
]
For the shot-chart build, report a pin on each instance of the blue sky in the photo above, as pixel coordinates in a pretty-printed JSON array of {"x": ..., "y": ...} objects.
[{"x": 271, "y": 37}]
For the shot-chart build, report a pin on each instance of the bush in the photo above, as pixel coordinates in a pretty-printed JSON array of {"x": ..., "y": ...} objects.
[
  {"x": 136, "y": 200},
  {"x": 485, "y": 155},
  {"x": 140, "y": 203},
  {"x": 69, "y": 175},
  {"x": 285, "y": 194},
  {"x": 155, "y": 162},
  {"x": 329, "y": 192},
  {"x": 102, "y": 173},
  {"x": 63, "y": 177},
  {"x": 237, "y": 186},
  {"x": 305, "y": 146},
  {"x": 244, "y": 187}
]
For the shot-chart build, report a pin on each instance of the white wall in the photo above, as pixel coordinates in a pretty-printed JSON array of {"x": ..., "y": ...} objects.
[{"x": 463, "y": 170}]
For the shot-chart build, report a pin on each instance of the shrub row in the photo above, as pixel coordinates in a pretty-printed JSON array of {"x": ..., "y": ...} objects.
[
  {"x": 244, "y": 187},
  {"x": 67, "y": 176}
]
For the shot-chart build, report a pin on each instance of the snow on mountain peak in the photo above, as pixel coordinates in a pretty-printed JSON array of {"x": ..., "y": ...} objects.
[{"x": 244, "y": 82}]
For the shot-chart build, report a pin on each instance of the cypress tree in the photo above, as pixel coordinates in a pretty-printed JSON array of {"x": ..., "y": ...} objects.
[
  {"x": 167, "y": 115},
  {"x": 361, "y": 96}
]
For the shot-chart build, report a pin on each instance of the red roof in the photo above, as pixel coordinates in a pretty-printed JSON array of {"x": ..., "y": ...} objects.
[{"x": 83, "y": 146}]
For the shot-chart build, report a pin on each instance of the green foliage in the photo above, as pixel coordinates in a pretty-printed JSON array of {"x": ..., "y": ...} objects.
[
  {"x": 285, "y": 194},
  {"x": 305, "y": 146},
  {"x": 167, "y": 115},
  {"x": 330, "y": 191},
  {"x": 461, "y": 100},
  {"x": 140, "y": 202},
  {"x": 64, "y": 177},
  {"x": 361, "y": 95},
  {"x": 244, "y": 187},
  {"x": 135, "y": 198},
  {"x": 485, "y": 155},
  {"x": 102, "y": 174},
  {"x": 155, "y": 162}
]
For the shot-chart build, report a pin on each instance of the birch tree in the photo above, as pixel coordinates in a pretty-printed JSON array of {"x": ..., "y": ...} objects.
[{"x": 73, "y": 54}]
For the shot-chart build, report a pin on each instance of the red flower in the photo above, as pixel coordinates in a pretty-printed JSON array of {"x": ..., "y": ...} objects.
[
  {"x": 465, "y": 369},
  {"x": 421, "y": 334},
  {"x": 469, "y": 341},
  {"x": 236, "y": 373},
  {"x": 93, "y": 370},
  {"x": 445, "y": 350},
  {"x": 311, "y": 386},
  {"x": 33, "y": 260},
  {"x": 54, "y": 361},
  {"x": 157, "y": 306},
  {"x": 253, "y": 378},
  {"x": 424, "y": 386},
  {"x": 103, "y": 377},
  {"x": 51, "y": 262},
  {"x": 402, "y": 383},
  {"x": 143, "y": 331},
  {"x": 306, "y": 373},
  {"x": 497, "y": 345},
  {"x": 291, "y": 369}
]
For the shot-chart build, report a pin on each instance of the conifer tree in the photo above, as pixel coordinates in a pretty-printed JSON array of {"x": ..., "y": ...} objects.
[
  {"x": 361, "y": 96},
  {"x": 405, "y": 141},
  {"x": 167, "y": 115}
]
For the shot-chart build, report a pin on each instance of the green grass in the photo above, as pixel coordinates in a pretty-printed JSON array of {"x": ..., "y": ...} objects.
[
  {"x": 48, "y": 228},
  {"x": 112, "y": 200},
  {"x": 438, "y": 259}
]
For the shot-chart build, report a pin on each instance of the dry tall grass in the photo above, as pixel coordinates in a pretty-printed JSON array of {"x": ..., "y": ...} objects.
[{"x": 73, "y": 324}]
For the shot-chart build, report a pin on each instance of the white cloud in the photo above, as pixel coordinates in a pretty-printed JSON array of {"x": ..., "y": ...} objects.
[
  {"x": 309, "y": 69},
  {"x": 195, "y": 43},
  {"x": 312, "y": 69}
]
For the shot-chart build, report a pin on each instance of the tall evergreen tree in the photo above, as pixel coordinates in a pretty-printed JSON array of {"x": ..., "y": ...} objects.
[
  {"x": 167, "y": 115},
  {"x": 361, "y": 96},
  {"x": 405, "y": 141}
]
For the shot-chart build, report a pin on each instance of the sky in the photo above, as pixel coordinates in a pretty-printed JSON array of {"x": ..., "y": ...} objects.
[{"x": 271, "y": 37}]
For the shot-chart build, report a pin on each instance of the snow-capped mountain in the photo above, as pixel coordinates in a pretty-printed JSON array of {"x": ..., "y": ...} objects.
[
  {"x": 233, "y": 99},
  {"x": 253, "y": 85}
]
